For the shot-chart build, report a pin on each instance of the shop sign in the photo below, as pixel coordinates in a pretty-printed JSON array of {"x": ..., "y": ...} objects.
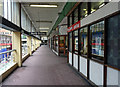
[
  {"x": 38, "y": 33},
  {"x": 74, "y": 26}
]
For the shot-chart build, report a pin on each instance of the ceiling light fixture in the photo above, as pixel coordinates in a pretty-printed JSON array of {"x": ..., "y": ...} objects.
[
  {"x": 43, "y": 31},
  {"x": 44, "y": 28},
  {"x": 43, "y": 6}
]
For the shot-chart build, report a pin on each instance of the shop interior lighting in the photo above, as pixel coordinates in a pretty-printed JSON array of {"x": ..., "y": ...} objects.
[{"x": 101, "y": 5}]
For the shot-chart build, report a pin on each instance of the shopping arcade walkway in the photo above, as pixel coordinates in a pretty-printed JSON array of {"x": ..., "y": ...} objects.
[{"x": 45, "y": 68}]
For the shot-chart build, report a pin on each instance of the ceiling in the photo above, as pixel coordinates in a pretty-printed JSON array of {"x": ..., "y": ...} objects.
[{"x": 44, "y": 17}]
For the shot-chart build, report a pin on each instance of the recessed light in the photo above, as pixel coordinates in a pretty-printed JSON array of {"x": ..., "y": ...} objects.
[{"x": 43, "y": 6}]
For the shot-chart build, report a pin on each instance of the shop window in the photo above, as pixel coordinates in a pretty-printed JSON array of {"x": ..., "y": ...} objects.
[
  {"x": 113, "y": 41},
  {"x": 97, "y": 40},
  {"x": 62, "y": 45},
  {"x": 83, "y": 10},
  {"x": 83, "y": 41},
  {"x": 5, "y": 39},
  {"x": 6, "y": 59},
  {"x": 52, "y": 44},
  {"x": 66, "y": 42},
  {"x": 70, "y": 41},
  {"x": 70, "y": 19},
  {"x": 76, "y": 41},
  {"x": 56, "y": 43},
  {"x": 61, "y": 41},
  {"x": 24, "y": 45},
  {"x": 76, "y": 15},
  {"x": 96, "y": 5}
]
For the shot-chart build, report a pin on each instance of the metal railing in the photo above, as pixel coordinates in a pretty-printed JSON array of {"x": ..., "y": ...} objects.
[{"x": 7, "y": 59}]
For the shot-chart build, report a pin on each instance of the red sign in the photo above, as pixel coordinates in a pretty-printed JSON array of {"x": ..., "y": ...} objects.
[{"x": 74, "y": 26}]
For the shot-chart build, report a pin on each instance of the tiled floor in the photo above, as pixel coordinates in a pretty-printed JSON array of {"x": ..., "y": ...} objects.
[{"x": 45, "y": 68}]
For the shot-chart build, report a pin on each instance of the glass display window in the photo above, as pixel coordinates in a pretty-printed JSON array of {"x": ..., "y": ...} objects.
[
  {"x": 70, "y": 41},
  {"x": 83, "y": 10},
  {"x": 66, "y": 42},
  {"x": 62, "y": 45},
  {"x": 70, "y": 19},
  {"x": 56, "y": 43},
  {"x": 61, "y": 41},
  {"x": 76, "y": 41},
  {"x": 113, "y": 41},
  {"x": 96, "y": 5},
  {"x": 54, "y": 38},
  {"x": 76, "y": 15},
  {"x": 97, "y": 39},
  {"x": 24, "y": 45},
  {"x": 5, "y": 40},
  {"x": 84, "y": 41}
]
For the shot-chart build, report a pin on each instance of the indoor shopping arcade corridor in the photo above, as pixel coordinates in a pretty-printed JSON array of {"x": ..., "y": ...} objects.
[
  {"x": 43, "y": 67},
  {"x": 59, "y": 43}
]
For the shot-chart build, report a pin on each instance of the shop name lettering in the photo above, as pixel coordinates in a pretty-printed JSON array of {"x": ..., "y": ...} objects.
[
  {"x": 71, "y": 28},
  {"x": 76, "y": 26}
]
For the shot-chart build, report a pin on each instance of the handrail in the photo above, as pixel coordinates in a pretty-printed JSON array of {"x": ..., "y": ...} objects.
[{"x": 7, "y": 51}]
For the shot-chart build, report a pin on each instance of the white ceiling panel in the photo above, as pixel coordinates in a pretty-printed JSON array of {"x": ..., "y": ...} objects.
[{"x": 44, "y": 15}]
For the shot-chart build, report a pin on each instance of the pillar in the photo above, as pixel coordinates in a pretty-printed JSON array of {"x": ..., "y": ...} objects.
[
  {"x": 16, "y": 44},
  {"x": 33, "y": 44}
]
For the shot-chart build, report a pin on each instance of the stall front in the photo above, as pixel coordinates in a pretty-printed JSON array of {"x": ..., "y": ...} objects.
[
  {"x": 86, "y": 50},
  {"x": 60, "y": 45},
  {"x": 90, "y": 50}
]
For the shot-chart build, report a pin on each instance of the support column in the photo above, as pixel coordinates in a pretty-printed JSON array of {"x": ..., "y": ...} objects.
[
  {"x": 29, "y": 45},
  {"x": 36, "y": 43},
  {"x": 16, "y": 44},
  {"x": 33, "y": 44}
]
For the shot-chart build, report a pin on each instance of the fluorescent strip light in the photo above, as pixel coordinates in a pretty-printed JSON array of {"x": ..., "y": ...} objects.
[
  {"x": 44, "y": 6},
  {"x": 44, "y": 28},
  {"x": 101, "y": 5}
]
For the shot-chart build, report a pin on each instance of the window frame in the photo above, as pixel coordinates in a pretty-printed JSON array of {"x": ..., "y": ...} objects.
[
  {"x": 86, "y": 56},
  {"x": 98, "y": 8},
  {"x": 76, "y": 10},
  {"x": 74, "y": 50},
  {"x": 80, "y": 10},
  {"x": 69, "y": 41},
  {"x": 96, "y": 57}
]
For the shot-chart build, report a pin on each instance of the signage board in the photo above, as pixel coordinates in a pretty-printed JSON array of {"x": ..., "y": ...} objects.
[
  {"x": 74, "y": 26},
  {"x": 38, "y": 33}
]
